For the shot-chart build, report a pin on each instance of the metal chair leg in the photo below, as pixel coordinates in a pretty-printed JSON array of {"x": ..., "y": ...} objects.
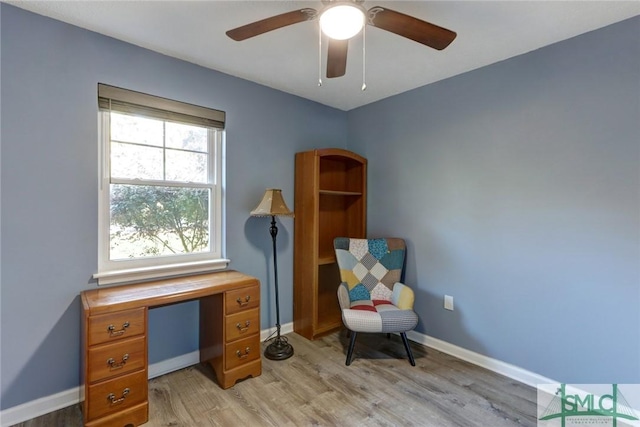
[
  {"x": 352, "y": 344},
  {"x": 408, "y": 348}
]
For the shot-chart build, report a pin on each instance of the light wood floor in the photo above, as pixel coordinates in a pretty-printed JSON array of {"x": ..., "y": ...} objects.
[{"x": 315, "y": 388}]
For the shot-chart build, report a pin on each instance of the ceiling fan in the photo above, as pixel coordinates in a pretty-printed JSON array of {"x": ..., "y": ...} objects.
[{"x": 340, "y": 20}]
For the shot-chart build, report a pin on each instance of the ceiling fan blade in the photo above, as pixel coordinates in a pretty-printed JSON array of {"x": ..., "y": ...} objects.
[
  {"x": 272, "y": 23},
  {"x": 337, "y": 58},
  {"x": 412, "y": 28}
]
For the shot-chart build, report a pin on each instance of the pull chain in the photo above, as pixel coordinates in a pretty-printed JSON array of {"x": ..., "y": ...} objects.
[
  {"x": 364, "y": 57},
  {"x": 319, "y": 56}
]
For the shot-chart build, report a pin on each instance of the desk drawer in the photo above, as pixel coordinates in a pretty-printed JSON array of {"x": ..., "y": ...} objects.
[
  {"x": 134, "y": 416},
  {"x": 115, "y": 359},
  {"x": 242, "y": 324},
  {"x": 242, "y": 351},
  {"x": 116, "y": 395},
  {"x": 242, "y": 299},
  {"x": 114, "y": 326}
]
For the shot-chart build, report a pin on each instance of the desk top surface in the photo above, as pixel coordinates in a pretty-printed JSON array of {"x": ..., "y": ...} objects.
[{"x": 162, "y": 292}]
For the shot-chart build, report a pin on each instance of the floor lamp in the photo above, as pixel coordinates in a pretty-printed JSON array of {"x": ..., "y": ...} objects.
[{"x": 273, "y": 205}]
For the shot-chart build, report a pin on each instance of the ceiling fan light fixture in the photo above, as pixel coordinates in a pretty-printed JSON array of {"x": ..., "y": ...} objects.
[{"x": 342, "y": 21}]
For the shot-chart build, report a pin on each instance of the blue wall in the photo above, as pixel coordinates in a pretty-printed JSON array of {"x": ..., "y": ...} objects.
[
  {"x": 518, "y": 188},
  {"x": 50, "y": 71}
]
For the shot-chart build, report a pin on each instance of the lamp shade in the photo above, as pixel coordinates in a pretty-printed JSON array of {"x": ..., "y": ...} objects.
[
  {"x": 342, "y": 21},
  {"x": 272, "y": 204}
]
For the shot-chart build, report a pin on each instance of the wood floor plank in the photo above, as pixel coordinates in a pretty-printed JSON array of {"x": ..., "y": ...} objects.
[{"x": 315, "y": 388}]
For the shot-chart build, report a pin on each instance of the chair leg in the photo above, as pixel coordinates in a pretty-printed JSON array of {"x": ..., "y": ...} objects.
[
  {"x": 408, "y": 348},
  {"x": 352, "y": 344}
]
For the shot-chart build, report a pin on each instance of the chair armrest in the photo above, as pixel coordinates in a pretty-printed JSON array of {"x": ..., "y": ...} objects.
[
  {"x": 402, "y": 296},
  {"x": 343, "y": 296}
]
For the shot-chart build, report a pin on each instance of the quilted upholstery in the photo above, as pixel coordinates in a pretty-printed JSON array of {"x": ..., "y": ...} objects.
[{"x": 371, "y": 296}]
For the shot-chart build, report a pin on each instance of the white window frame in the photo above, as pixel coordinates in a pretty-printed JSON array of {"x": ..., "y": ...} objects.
[{"x": 124, "y": 271}]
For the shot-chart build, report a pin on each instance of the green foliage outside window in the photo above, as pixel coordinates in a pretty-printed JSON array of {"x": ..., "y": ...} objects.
[{"x": 154, "y": 221}]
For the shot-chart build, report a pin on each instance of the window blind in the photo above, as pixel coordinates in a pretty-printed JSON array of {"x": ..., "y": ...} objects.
[{"x": 132, "y": 102}]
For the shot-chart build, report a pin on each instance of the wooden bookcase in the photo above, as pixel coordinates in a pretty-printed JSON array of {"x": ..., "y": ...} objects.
[{"x": 330, "y": 202}]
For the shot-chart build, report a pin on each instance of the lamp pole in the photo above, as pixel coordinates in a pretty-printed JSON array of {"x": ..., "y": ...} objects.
[
  {"x": 273, "y": 205},
  {"x": 273, "y": 230},
  {"x": 279, "y": 349}
]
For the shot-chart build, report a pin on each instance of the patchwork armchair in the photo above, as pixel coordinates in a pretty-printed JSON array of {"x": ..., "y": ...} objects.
[{"x": 371, "y": 296}]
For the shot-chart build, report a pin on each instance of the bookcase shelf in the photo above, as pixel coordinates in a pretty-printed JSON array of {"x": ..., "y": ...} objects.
[
  {"x": 340, "y": 193},
  {"x": 326, "y": 259}
]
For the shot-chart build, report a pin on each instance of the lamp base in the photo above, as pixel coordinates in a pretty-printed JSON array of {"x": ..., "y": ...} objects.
[{"x": 279, "y": 349}]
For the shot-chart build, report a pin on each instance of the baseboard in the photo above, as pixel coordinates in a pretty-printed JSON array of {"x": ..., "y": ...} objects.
[
  {"x": 284, "y": 329},
  {"x": 514, "y": 372},
  {"x": 35, "y": 408},
  {"x": 44, "y": 405},
  {"x": 173, "y": 364}
]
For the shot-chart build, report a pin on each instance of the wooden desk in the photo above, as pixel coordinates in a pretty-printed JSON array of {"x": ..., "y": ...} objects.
[{"x": 114, "y": 333}]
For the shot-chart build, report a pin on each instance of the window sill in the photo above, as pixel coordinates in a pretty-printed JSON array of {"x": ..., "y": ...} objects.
[{"x": 156, "y": 272}]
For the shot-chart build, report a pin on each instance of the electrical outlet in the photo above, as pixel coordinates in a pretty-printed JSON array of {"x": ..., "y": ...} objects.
[{"x": 448, "y": 302}]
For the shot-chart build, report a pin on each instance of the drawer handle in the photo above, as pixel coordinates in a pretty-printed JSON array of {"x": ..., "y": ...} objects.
[
  {"x": 244, "y": 328},
  {"x": 245, "y": 302},
  {"x": 112, "y": 329},
  {"x": 112, "y": 397},
  {"x": 114, "y": 365},
  {"x": 243, "y": 356}
]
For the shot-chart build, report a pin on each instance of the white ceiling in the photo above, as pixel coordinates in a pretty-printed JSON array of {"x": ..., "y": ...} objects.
[{"x": 287, "y": 59}]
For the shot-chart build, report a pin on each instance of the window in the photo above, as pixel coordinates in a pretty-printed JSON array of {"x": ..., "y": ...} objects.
[{"x": 160, "y": 187}]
